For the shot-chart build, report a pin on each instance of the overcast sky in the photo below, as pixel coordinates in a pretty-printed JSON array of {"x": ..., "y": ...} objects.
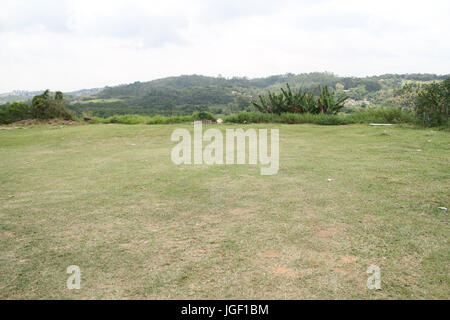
[{"x": 75, "y": 44}]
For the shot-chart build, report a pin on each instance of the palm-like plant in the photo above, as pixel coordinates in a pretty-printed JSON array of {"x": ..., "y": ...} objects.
[
  {"x": 274, "y": 103},
  {"x": 301, "y": 101},
  {"x": 328, "y": 103},
  {"x": 295, "y": 102}
]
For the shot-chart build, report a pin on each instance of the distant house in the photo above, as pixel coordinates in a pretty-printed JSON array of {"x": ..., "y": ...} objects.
[{"x": 352, "y": 102}]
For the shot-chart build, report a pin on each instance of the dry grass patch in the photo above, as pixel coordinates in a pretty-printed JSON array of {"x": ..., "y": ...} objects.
[{"x": 108, "y": 198}]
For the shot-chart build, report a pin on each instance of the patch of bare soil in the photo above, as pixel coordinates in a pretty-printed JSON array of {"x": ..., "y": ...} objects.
[
  {"x": 239, "y": 211},
  {"x": 271, "y": 254},
  {"x": 31, "y": 122},
  {"x": 284, "y": 271},
  {"x": 349, "y": 259},
  {"x": 329, "y": 232}
]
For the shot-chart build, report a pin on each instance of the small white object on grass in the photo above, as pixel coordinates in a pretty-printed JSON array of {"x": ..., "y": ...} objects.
[
  {"x": 443, "y": 208},
  {"x": 419, "y": 150},
  {"x": 133, "y": 144},
  {"x": 219, "y": 121},
  {"x": 329, "y": 180}
]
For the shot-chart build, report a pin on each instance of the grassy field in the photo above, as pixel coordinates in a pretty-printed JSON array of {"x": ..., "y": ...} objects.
[{"x": 108, "y": 199}]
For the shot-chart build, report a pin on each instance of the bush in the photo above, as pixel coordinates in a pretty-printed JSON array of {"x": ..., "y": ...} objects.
[
  {"x": 433, "y": 102},
  {"x": 429, "y": 102},
  {"x": 203, "y": 115},
  {"x": 16, "y": 111},
  {"x": 46, "y": 107},
  {"x": 42, "y": 106}
]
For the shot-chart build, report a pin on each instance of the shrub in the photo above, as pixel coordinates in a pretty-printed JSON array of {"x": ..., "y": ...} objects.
[
  {"x": 203, "y": 115},
  {"x": 15, "y": 111},
  {"x": 42, "y": 106},
  {"x": 433, "y": 102},
  {"x": 429, "y": 102},
  {"x": 46, "y": 107}
]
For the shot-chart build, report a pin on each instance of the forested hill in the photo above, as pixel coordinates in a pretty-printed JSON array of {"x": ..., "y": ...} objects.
[{"x": 186, "y": 94}]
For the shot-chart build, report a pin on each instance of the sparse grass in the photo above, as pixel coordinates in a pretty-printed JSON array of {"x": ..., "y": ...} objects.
[{"x": 108, "y": 199}]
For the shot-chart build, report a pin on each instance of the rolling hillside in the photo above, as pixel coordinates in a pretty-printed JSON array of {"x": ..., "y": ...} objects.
[{"x": 189, "y": 93}]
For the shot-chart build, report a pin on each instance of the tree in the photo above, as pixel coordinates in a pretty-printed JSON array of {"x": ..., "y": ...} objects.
[
  {"x": 15, "y": 111},
  {"x": 372, "y": 85},
  {"x": 59, "y": 95},
  {"x": 433, "y": 102},
  {"x": 46, "y": 107}
]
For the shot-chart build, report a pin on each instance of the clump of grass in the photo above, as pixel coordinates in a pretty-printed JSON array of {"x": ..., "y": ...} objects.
[{"x": 203, "y": 115}]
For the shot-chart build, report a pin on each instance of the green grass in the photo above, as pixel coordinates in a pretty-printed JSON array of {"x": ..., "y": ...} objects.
[
  {"x": 108, "y": 199},
  {"x": 142, "y": 119},
  {"x": 98, "y": 100},
  {"x": 379, "y": 115}
]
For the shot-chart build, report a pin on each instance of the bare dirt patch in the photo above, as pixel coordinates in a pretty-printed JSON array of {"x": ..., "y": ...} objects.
[
  {"x": 238, "y": 211},
  {"x": 349, "y": 259},
  {"x": 32, "y": 122},
  {"x": 284, "y": 271},
  {"x": 330, "y": 232},
  {"x": 271, "y": 254}
]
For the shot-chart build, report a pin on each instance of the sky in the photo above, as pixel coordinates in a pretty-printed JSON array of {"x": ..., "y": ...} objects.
[{"x": 75, "y": 44}]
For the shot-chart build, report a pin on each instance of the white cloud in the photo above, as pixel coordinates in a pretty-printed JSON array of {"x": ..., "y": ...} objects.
[{"x": 78, "y": 44}]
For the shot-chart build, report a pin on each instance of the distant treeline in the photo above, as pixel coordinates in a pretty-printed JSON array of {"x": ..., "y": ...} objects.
[
  {"x": 187, "y": 94},
  {"x": 42, "y": 106}
]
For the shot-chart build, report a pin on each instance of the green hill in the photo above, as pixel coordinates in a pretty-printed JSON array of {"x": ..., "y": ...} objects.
[{"x": 189, "y": 93}]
